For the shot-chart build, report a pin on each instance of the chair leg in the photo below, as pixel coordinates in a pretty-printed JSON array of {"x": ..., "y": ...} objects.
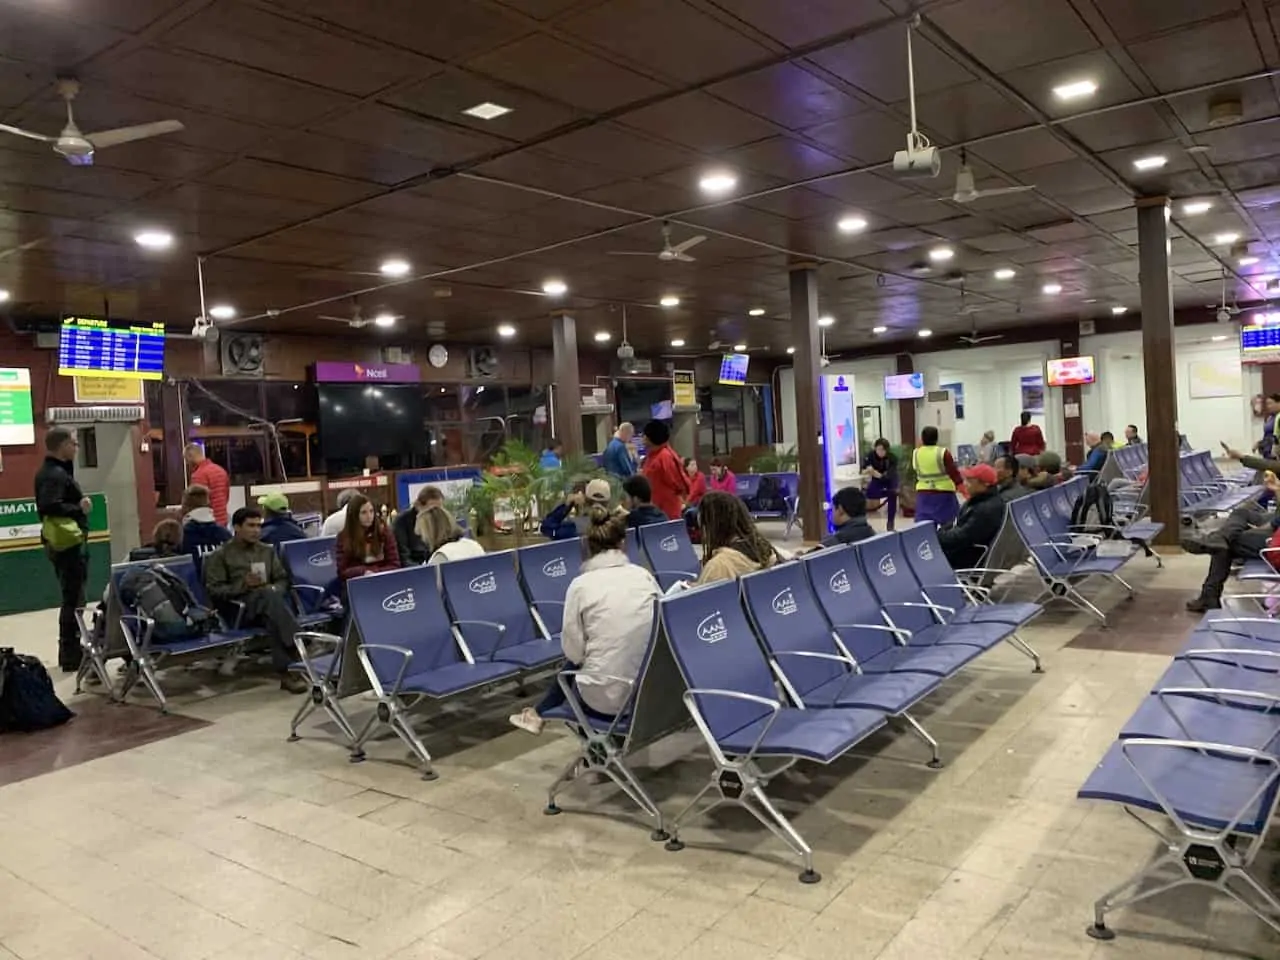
[
  {"x": 781, "y": 827},
  {"x": 304, "y": 710},
  {"x": 151, "y": 681},
  {"x": 399, "y": 722},
  {"x": 935, "y": 763},
  {"x": 567, "y": 776},
  {"x": 1261, "y": 892},
  {"x": 621, "y": 774},
  {"x": 1025, "y": 648},
  {"x": 674, "y": 843},
  {"x": 1124, "y": 583},
  {"x": 1111, "y": 900}
]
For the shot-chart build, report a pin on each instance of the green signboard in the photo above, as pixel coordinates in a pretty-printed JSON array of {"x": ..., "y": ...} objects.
[
  {"x": 26, "y": 576},
  {"x": 17, "y": 425}
]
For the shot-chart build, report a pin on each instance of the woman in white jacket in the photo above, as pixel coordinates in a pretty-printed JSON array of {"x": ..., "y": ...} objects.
[{"x": 608, "y": 616}]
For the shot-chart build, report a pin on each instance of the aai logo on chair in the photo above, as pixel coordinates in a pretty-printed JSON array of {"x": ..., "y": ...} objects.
[
  {"x": 840, "y": 582},
  {"x": 886, "y": 567},
  {"x": 401, "y": 601},
  {"x": 323, "y": 559},
  {"x": 555, "y": 568},
  {"x": 924, "y": 551},
  {"x": 485, "y": 583},
  {"x": 669, "y": 545},
  {"x": 1045, "y": 509},
  {"x": 712, "y": 629},
  {"x": 785, "y": 603}
]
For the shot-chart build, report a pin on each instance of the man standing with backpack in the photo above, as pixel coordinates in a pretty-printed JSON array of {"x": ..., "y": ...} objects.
[{"x": 64, "y": 531}]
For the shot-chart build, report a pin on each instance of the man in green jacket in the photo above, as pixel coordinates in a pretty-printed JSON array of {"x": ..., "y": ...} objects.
[{"x": 247, "y": 571}]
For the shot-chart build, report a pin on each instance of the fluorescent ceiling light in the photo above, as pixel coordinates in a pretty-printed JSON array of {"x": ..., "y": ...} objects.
[
  {"x": 677, "y": 343},
  {"x": 826, "y": 321},
  {"x": 4, "y": 295},
  {"x": 154, "y": 239},
  {"x": 1220, "y": 337},
  {"x": 756, "y": 312},
  {"x": 1052, "y": 289},
  {"x": 924, "y": 333},
  {"x": 555, "y": 288},
  {"x": 791, "y": 349},
  {"x": 940, "y": 254},
  {"x": 670, "y": 301},
  {"x": 506, "y": 330},
  {"x": 394, "y": 268},
  {"x": 880, "y": 329},
  {"x": 1150, "y": 163},
  {"x": 721, "y": 181},
  {"x": 385, "y": 320},
  {"x": 603, "y": 336},
  {"x": 1226, "y": 238},
  {"x": 487, "y": 111},
  {"x": 1117, "y": 310},
  {"x": 1194, "y": 208},
  {"x": 1006, "y": 273},
  {"x": 851, "y": 224},
  {"x": 1075, "y": 90},
  {"x": 1248, "y": 261},
  {"x": 740, "y": 347},
  {"x": 223, "y": 311}
]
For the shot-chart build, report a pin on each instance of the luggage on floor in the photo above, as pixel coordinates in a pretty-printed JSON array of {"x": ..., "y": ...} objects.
[{"x": 27, "y": 700}]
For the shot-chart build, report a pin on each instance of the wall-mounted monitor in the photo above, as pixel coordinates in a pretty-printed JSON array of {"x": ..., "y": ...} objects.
[
  {"x": 733, "y": 369},
  {"x": 904, "y": 386},
  {"x": 358, "y": 420},
  {"x": 1070, "y": 371},
  {"x": 111, "y": 348},
  {"x": 1260, "y": 343}
]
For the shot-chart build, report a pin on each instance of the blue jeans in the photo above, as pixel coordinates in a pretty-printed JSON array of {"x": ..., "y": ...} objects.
[{"x": 554, "y": 697}]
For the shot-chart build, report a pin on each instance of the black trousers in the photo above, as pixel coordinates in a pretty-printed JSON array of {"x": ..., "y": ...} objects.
[
  {"x": 1245, "y": 532},
  {"x": 268, "y": 610},
  {"x": 71, "y": 567}
]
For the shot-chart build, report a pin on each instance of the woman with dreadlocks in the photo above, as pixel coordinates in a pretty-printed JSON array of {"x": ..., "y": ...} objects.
[{"x": 731, "y": 544}]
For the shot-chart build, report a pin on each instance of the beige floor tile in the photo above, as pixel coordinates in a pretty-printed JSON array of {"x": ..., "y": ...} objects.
[
  {"x": 712, "y": 945},
  {"x": 764, "y": 922}
]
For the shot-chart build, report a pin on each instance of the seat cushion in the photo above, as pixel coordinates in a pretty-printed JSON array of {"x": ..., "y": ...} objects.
[
  {"x": 457, "y": 677},
  {"x": 890, "y": 692},
  {"x": 941, "y": 661},
  {"x": 1205, "y": 719},
  {"x": 1012, "y": 613},
  {"x": 212, "y": 641},
  {"x": 319, "y": 665},
  {"x": 533, "y": 653},
  {"x": 565, "y": 712},
  {"x": 1222, "y": 675},
  {"x": 983, "y": 635},
  {"x": 821, "y": 735}
]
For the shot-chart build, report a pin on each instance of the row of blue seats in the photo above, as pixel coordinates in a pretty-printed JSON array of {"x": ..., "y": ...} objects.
[
  {"x": 1204, "y": 490},
  {"x": 1202, "y": 751}
]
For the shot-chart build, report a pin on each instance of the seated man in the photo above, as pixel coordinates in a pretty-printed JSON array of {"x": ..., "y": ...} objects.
[
  {"x": 569, "y": 520},
  {"x": 637, "y": 498},
  {"x": 1099, "y": 446},
  {"x": 246, "y": 570},
  {"x": 278, "y": 525},
  {"x": 965, "y": 540},
  {"x": 1009, "y": 478},
  {"x": 1048, "y": 471},
  {"x": 410, "y": 547},
  {"x": 1242, "y": 536},
  {"x": 849, "y": 513}
]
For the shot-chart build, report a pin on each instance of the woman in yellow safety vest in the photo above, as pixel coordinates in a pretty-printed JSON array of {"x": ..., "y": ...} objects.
[{"x": 937, "y": 480}]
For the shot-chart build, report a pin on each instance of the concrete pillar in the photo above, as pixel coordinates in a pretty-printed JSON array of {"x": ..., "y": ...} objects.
[
  {"x": 804, "y": 337},
  {"x": 1073, "y": 450},
  {"x": 1158, "y": 361},
  {"x": 564, "y": 362}
]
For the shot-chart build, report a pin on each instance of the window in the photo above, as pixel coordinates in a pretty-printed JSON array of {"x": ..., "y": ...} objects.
[
  {"x": 731, "y": 417},
  {"x": 211, "y": 406},
  {"x": 88, "y": 437}
]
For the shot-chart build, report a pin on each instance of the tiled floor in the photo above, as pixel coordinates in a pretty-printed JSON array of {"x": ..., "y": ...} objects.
[{"x": 227, "y": 842}]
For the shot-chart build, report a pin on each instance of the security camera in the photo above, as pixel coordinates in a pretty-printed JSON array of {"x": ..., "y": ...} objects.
[
  {"x": 626, "y": 352},
  {"x": 204, "y": 330},
  {"x": 917, "y": 162}
]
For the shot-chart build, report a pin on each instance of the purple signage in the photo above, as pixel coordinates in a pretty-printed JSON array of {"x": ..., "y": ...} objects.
[{"x": 331, "y": 372}]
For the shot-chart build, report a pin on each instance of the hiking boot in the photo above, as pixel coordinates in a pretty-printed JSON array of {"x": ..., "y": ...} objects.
[
  {"x": 294, "y": 683},
  {"x": 1203, "y": 604}
]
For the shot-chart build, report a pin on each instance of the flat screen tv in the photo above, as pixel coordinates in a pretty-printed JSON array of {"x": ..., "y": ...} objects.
[
  {"x": 733, "y": 369},
  {"x": 357, "y": 420},
  {"x": 1070, "y": 371},
  {"x": 904, "y": 386},
  {"x": 111, "y": 348},
  {"x": 1260, "y": 343}
]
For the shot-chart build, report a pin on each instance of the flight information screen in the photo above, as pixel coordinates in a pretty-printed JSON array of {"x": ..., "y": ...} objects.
[
  {"x": 108, "y": 348},
  {"x": 733, "y": 369},
  {"x": 1260, "y": 342}
]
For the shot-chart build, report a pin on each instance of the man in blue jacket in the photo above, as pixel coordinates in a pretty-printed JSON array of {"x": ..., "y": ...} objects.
[
  {"x": 278, "y": 525},
  {"x": 617, "y": 458},
  {"x": 1099, "y": 447}
]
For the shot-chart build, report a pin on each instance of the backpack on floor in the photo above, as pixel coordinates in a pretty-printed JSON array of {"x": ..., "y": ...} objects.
[
  {"x": 1094, "y": 511},
  {"x": 164, "y": 598},
  {"x": 27, "y": 700}
]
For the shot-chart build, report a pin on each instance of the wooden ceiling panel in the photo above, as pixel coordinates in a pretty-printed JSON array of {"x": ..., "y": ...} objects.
[
  {"x": 36, "y": 37},
  {"x": 785, "y": 158},
  {"x": 615, "y": 148},
  {"x": 789, "y": 96},
  {"x": 701, "y": 122},
  {"x": 1203, "y": 54},
  {"x": 870, "y": 137},
  {"x": 877, "y": 64},
  {"x": 444, "y": 97},
  {"x": 378, "y": 126},
  {"x": 1141, "y": 18},
  {"x": 341, "y": 158},
  {"x": 277, "y": 180},
  {"x": 799, "y": 22},
  {"x": 1008, "y": 34}
]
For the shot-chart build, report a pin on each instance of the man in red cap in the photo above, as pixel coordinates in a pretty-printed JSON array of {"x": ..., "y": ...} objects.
[{"x": 966, "y": 539}]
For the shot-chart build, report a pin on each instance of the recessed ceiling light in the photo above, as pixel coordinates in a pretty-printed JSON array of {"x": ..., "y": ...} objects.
[
  {"x": 826, "y": 321},
  {"x": 1248, "y": 261},
  {"x": 1223, "y": 239},
  {"x": 756, "y": 312},
  {"x": 720, "y": 181},
  {"x": 223, "y": 311},
  {"x": 677, "y": 343},
  {"x": 670, "y": 301},
  {"x": 154, "y": 239},
  {"x": 1006, "y": 273},
  {"x": 924, "y": 333},
  {"x": 880, "y": 329},
  {"x": 1117, "y": 310},
  {"x": 1075, "y": 90},
  {"x": 506, "y": 330},
  {"x": 1220, "y": 337},
  {"x": 939, "y": 254},
  {"x": 386, "y": 320},
  {"x": 394, "y": 268},
  {"x": 1150, "y": 163},
  {"x": 1052, "y": 289},
  {"x": 740, "y": 347},
  {"x": 555, "y": 288},
  {"x": 4, "y": 295},
  {"x": 791, "y": 349},
  {"x": 603, "y": 336},
  {"x": 851, "y": 224},
  {"x": 487, "y": 111},
  {"x": 1193, "y": 208}
]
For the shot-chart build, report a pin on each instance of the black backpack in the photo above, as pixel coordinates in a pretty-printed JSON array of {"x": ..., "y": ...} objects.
[
  {"x": 27, "y": 700},
  {"x": 164, "y": 598},
  {"x": 1094, "y": 512}
]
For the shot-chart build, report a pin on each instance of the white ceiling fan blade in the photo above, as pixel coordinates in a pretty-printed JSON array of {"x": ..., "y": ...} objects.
[
  {"x": 1001, "y": 191},
  {"x": 26, "y": 133},
  {"x": 632, "y": 253},
  {"x": 688, "y": 244},
  {"x": 685, "y": 258},
  {"x": 110, "y": 138}
]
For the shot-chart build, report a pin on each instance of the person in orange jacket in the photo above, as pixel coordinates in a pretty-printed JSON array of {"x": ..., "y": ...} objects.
[{"x": 667, "y": 476}]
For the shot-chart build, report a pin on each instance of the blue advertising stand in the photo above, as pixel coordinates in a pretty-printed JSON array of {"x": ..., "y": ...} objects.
[{"x": 840, "y": 450}]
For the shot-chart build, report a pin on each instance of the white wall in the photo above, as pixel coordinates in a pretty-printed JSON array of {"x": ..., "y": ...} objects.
[{"x": 868, "y": 389}]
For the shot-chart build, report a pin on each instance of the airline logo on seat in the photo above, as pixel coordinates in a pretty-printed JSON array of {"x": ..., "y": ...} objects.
[
  {"x": 485, "y": 583},
  {"x": 401, "y": 601},
  {"x": 785, "y": 603},
  {"x": 669, "y": 545},
  {"x": 555, "y": 568},
  {"x": 887, "y": 569},
  {"x": 924, "y": 551},
  {"x": 840, "y": 582},
  {"x": 324, "y": 559},
  {"x": 1045, "y": 510},
  {"x": 1028, "y": 517},
  {"x": 712, "y": 629}
]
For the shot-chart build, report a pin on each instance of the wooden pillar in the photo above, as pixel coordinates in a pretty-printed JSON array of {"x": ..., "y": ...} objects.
[
  {"x": 1158, "y": 352},
  {"x": 804, "y": 337},
  {"x": 564, "y": 362},
  {"x": 1073, "y": 423},
  {"x": 907, "y": 408},
  {"x": 175, "y": 468}
]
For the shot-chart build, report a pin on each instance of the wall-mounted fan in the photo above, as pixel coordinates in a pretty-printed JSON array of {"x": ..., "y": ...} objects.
[
  {"x": 243, "y": 355},
  {"x": 482, "y": 362}
]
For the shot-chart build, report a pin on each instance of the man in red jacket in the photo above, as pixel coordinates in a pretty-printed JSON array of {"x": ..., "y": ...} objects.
[
  {"x": 208, "y": 474},
  {"x": 665, "y": 471}
]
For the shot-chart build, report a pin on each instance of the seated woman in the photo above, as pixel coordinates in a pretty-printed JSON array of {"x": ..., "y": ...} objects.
[
  {"x": 722, "y": 477},
  {"x": 608, "y": 615},
  {"x": 731, "y": 544},
  {"x": 166, "y": 541},
  {"x": 365, "y": 544},
  {"x": 444, "y": 539},
  {"x": 697, "y": 490},
  {"x": 987, "y": 451},
  {"x": 880, "y": 467}
]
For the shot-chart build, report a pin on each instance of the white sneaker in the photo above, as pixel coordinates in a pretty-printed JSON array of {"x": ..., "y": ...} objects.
[{"x": 527, "y": 720}]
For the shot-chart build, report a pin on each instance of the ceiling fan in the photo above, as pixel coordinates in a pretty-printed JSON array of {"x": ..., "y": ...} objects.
[
  {"x": 357, "y": 319},
  {"x": 668, "y": 252},
  {"x": 78, "y": 148},
  {"x": 1222, "y": 312},
  {"x": 966, "y": 190},
  {"x": 974, "y": 338}
]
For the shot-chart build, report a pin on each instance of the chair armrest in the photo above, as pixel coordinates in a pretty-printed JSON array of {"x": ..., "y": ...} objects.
[
  {"x": 676, "y": 573},
  {"x": 238, "y": 606},
  {"x": 691, "y": 704},
  {"x": 900, "y": 634},
  {"x": 138, "y": 637},
  {"x": 309, "y": 586},
  {"x": 501, "y": 629},
  {"x": 362, "y": 651},
  {"x": 935, "y": 607},
  {"x": 547, "y": 603},
  {"x": 848, "y": 661}
]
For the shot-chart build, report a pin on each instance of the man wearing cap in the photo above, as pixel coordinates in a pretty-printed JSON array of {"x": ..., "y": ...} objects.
[
  {"x": 966, "y": 539},
  {"x": 278, "y": 525},
  {"x": 569, "y": 520}
]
